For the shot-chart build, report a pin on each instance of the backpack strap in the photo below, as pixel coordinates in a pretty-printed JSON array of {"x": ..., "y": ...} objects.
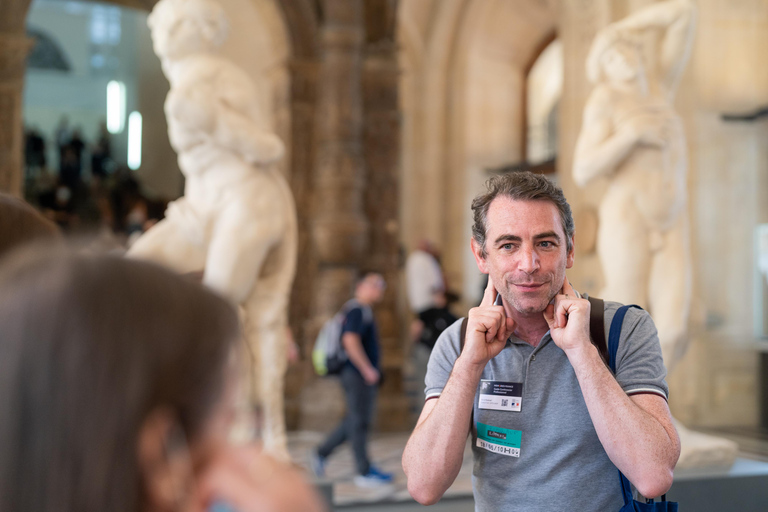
[
  {"x": 613, "y": 347},
  {"x": 352, "y": 304},
  {"x": 615, "y": 334},
  {"x": 597, "y": 327},
  {"x": 463, "y": 335}
]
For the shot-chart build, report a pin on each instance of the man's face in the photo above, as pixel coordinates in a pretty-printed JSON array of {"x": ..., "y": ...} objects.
[
  {"x": 372, "y": 288},
  {"x": 526, "y": 252}
]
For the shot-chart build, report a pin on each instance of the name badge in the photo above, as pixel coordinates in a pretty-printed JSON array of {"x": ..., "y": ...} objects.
[
  {"x": 500, "y": 396},
  {"x": 499, "y": 440}
]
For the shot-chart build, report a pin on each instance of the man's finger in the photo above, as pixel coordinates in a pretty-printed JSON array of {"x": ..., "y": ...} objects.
[
  {"x": 510, "y": 326},
  {"x": 549, "y": 316},
  {"x": 507, "y": 328},
  {"x": 561, "y": 314},
  {"x": 489, "y": 295}
]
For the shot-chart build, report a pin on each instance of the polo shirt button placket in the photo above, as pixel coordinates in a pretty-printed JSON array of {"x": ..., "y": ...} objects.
[{"x": 533, "y": 357}]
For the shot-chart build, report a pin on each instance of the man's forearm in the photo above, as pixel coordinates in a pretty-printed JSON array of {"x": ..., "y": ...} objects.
[
  {"x": 353, "y": 346},
  {"x": 434, "y": 453},
  {"x": 637, "y": 442}
]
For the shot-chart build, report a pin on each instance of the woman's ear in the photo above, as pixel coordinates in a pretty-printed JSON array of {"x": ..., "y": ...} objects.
[{"x": 164, "y": 462}]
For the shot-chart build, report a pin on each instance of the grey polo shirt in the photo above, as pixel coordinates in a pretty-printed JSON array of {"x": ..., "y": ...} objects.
[{"x": 546, "y": 455}]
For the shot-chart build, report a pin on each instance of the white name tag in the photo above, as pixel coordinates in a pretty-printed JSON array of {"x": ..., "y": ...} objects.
[
  {"x": 497, "y": 448},
  {"x": 500, "y": 396}
]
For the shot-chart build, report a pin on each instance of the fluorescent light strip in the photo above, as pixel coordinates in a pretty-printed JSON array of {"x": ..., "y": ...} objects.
[
  {"x": 115, "y": 106},
  {"x": 134, "y": 140}
]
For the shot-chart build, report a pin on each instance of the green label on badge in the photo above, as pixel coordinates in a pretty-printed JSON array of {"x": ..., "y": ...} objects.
[
  {"x": 498, "y": 435},
  {"x": 497, "y": 439}
]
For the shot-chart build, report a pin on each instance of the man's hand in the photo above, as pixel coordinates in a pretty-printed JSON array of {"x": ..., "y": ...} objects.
[
  {"x": 488, "y": 328},
  {"x": 568, "y": 319},
  {"x": 370, "y": 375}
]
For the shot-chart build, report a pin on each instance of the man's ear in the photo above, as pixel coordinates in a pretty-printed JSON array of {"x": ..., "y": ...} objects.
[
  {"x": 477, "y": 251},
  {"x": 572, "y": 253}
]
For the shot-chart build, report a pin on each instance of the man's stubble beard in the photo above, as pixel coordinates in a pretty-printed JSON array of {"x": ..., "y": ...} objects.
[{"x": 517, "y": 302}]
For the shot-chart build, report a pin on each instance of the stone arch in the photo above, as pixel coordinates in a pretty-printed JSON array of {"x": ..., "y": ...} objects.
[
  {"x": 462, "y": 84},
  {"x": 541, "y": 47}
]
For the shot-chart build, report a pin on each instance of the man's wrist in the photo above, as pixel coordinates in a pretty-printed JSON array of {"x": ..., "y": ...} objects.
[
  {"x": 583, "y": 355},
  {"x": 470, "y": 369}
]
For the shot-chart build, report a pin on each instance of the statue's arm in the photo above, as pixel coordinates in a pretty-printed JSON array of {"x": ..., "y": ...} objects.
[
  {"x": 239, "y": 133},
  {"x": 599, "y": 149},
  {"x": 677, "y": 44},
  {"x": 241, "y": 124},
  {"x": 676, "y": 18},
  {"x": 656, "y": 16}
]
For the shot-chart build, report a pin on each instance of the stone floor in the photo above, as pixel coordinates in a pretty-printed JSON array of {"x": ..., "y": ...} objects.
[{"x": 385, "y": 451}]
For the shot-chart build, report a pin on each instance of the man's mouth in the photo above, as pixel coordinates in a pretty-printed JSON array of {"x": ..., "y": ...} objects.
[{"x": 528, "y": 287}]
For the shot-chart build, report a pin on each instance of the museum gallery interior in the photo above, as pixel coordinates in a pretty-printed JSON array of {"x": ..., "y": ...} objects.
[{"x": 277, "y": 149}]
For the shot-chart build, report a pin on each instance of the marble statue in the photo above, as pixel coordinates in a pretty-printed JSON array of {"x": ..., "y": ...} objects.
[
  {"x": 632, "y": 136},
  {"x": 236, "y": 221}
]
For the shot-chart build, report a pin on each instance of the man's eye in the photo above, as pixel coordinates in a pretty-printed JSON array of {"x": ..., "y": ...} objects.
[
  {"x": 507, "y": 247},
  {"x": 547, "y": 244}
]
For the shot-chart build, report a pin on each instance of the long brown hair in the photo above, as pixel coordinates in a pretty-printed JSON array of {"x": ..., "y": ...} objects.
[{"x": 89, "y": 345}]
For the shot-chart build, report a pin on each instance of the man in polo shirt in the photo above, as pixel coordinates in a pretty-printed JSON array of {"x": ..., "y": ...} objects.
[{"x": 549, "y": 421}]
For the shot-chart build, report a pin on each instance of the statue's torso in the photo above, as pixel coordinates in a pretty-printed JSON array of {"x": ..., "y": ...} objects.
[{"x": 653, "y": 178}]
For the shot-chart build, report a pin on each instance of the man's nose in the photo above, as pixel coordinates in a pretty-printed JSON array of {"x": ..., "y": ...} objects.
[{"x": 529, "y": 260}]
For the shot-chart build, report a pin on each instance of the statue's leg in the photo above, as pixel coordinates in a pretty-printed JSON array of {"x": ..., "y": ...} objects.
[
  {"x": 236, "y": 253},
  {"x": 670, "y": 291},
  {"x": 623, "y": 248},
  {"x": 265, "y": 333},
  {"x": 167, "y": 245},
  {"x": 670, "y": 294}
]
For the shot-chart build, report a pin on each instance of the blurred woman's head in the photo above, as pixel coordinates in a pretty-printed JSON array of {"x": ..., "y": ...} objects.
[{"x": 111, "y": 372}]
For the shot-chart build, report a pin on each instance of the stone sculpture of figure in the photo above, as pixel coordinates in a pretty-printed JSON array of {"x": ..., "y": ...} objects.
[
  {"x": 237, "y": 219},
  {"x": 632, "y": 135}
]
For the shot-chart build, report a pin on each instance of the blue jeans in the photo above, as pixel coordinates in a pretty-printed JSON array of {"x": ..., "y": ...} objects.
[{"x": 361, "y": 403}]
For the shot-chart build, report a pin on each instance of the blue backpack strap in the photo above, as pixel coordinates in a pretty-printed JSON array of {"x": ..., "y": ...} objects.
[
  {"x": 613, "y": 348},
  {"x": 615, "y": 334}
]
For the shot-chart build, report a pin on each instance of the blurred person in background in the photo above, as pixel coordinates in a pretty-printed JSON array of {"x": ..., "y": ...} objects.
[
  {"x": 360, "y": 378},
  {"x": 101, "y": 154},
  {"x": 425, "y": 329},
  {"x": 423, "y": 276},
  {"x": 427, "y": 299},
  {"x": 123, "y": 401}
]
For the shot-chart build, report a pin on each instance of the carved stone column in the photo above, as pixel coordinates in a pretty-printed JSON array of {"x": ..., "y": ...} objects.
[
  {"x": 339, "y": 227},
  {"x": 14, "y": 46},
  {"x": 579, "y": 22},
  {"x": 381, "y": 142},
  {"x": 304, "y": 73}
]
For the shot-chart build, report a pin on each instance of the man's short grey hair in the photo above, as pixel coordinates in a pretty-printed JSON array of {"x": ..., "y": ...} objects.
[{"x": 520, "y": 186}]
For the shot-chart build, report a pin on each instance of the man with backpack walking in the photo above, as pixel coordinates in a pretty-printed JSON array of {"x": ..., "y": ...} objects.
[
  {"x": 360, "y": 376},
  {"x": 549, "y": 421}
]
